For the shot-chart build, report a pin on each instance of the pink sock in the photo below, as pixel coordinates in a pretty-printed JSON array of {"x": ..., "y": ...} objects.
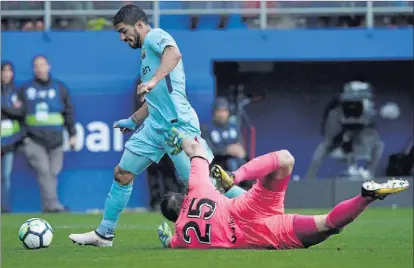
[
  {"x": 307, "y": 231},
  {"x": 347, "y": 211},
  {"x": 257, "y": 168}
]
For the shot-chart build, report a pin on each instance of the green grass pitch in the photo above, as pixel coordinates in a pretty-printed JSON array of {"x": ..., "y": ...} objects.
[{"x": 379, "y": 238}]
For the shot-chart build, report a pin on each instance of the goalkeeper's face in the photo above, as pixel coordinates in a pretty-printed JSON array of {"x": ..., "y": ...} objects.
[{"x": 171, "y": 206}]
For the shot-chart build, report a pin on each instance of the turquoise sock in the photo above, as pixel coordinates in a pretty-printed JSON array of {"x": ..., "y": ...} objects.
[
  {"x": 116, "y": 201},
  {"x": 234, "y": 192}
]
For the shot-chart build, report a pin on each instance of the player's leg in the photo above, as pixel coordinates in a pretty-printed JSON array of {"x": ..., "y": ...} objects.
[
  {"x": 140, "y": 152},
  {"x": 6, "y": 169},
  {"x": 273, "y": 170},
  {"x": 312, "y": 230},
  {"x": 38, "y": 159},
  {"x": 278, "y": 163},
  {"x": 235, "y": 190},
  {"x": 266, "y": 198},
  {"x": 131, "y": 165},
  {"x": 182, "y": 166},
  {"x": 182, "y": 162}
]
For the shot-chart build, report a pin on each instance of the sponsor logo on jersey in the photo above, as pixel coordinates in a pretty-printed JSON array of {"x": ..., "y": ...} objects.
[{"x": 160, "y": 43}]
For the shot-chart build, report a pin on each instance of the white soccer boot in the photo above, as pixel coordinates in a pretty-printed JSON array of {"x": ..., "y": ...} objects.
[
  {"x": 382, "y": 190},
  {"x": 91, "y": 239}
]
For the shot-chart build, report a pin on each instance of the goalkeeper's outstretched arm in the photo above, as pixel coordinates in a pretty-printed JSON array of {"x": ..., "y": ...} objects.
[{"x": 193, "y": 149}]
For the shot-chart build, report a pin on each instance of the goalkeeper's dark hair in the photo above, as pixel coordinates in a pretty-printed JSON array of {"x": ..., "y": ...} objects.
[
  {"x": 130, "y": 15},
  {"x": 171, "y": 205}
]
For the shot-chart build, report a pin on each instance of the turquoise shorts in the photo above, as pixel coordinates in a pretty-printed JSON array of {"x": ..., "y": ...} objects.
[{"x": 147, "y": 145}]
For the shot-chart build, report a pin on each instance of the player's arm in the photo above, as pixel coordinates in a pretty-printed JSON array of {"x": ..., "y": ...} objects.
[
  {"x": 171, "y": 56},
  {"x": 199, "y": 171},
  {"x": 141, "y": 114},
  {"x": 131, "y": 123},
  {"x": 164, "y": 45},
  {"x": 68, "y": 111},
  {"x": 12, "y": 111},
  {"x": 193, "y": 149}
]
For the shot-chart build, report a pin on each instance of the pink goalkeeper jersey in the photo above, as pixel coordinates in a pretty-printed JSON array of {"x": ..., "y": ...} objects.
[{"x": 204, "y": 220}]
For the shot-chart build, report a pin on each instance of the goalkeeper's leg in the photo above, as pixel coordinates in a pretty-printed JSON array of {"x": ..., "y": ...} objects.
[{"x": 312, "y": 230}]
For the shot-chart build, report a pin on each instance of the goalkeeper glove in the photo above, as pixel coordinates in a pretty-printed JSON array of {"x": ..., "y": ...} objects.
[
  {"x": 164, "y": 234},
  {"x": 174, "y": 139}
]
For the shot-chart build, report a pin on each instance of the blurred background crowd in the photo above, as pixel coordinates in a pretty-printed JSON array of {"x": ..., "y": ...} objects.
[
  {"x": 96, "y": 15},
  {"x": 347, "y": 102}
]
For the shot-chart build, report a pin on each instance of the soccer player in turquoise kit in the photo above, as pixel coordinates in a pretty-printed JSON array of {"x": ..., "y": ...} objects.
[{"x": 166, "y": 106}]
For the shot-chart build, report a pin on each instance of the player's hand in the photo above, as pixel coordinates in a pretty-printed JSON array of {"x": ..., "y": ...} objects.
[
  {"x": 145, "y": 88},
  {"x": 125, "y": 125},
  {"x": 164, "y": 234},
  {"x": 174, "y": 139}
]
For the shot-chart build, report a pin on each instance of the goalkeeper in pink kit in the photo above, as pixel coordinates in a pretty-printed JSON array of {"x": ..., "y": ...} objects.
[{"x": 204, "y": 218}]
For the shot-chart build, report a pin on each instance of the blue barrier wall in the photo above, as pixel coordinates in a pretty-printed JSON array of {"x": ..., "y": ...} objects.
[{"x": 100, "y": 72}]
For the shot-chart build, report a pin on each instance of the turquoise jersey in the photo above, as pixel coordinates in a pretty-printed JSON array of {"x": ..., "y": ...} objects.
[{"x": 167, "y": 102}]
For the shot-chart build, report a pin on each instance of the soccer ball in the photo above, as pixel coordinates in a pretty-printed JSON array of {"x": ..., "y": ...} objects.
[{"x": 36, "y": 233}]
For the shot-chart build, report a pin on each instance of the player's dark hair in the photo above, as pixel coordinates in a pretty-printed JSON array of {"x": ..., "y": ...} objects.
[
  {"x": 129, "y": 15},
  {"x": 171, "y": 206}
]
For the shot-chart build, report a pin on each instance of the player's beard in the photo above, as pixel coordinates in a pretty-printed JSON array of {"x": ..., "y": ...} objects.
[{"x": 137, "y": 39}]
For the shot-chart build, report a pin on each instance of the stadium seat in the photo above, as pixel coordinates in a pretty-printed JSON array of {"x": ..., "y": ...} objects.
[
  {"x": 175, "y": 22},
  {"x": 169, "y": 22},
  {"x": 236, "y": 22},
  {"x": 209, "y": 22}
]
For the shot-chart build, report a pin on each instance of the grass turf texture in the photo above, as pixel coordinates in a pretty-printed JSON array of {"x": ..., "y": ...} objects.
[{"x": 379, "y": 238}]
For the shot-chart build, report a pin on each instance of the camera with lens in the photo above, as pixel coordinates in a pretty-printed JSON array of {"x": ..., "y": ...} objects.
[{"x": 357, "y": 106}]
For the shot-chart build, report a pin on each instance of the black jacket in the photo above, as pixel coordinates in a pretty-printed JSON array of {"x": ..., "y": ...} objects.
[
  {"x": 10, "y": 112},
  {"x": 50, "y": 138}
]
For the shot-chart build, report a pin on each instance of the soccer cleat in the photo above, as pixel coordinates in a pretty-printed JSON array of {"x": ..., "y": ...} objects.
[
  {"x": 381, "y": 190},
  {"x": 91, "y": 239},
  {"x": 224, "y": 179}
]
